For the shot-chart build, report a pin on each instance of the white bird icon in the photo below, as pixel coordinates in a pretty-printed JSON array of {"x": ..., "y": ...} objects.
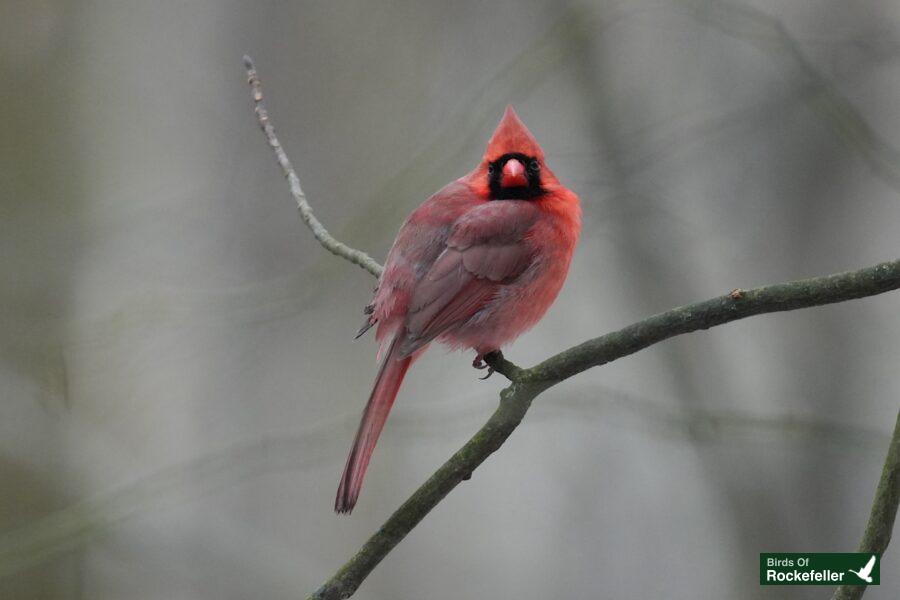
[{"x": 865, "y": 572}]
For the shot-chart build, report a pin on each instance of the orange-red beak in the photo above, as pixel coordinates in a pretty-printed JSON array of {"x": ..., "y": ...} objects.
[{"x": 514, "y": 174}]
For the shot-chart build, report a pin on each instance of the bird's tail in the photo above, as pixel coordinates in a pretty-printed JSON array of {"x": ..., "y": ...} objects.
[{"x": 387, "y": 384}]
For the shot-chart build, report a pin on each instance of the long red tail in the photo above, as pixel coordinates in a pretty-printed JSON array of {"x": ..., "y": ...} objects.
[{"x": 387, "y": 384}]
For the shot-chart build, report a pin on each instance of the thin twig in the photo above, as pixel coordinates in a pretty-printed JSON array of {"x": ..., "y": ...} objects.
[
  {"x": 527, "y": 384},
  {"x": 357, "y": 257},
  {"x": 884, "y": 512}
]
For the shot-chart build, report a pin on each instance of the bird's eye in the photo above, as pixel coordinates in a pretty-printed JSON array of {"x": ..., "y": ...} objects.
[
  {"x": 534, "y": 165},
  {"x": 490, "y": 169}
]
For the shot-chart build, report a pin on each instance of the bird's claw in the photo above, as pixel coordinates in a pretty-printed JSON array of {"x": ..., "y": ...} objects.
[{"x": 479, "y": 364}]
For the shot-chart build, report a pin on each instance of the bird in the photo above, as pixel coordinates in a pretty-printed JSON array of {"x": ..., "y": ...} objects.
[
  {"x": 866, "y": 572},
  {"x": 474, "y": 266}
]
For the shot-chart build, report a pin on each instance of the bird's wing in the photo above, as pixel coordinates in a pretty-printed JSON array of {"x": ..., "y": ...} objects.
[
  {"x": 421, "y": 240},
  {"x": 869, "y": 565},
  {"x": 487, "y": 248}
]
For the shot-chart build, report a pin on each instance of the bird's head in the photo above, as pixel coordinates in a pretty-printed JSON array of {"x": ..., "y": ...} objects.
[{"x": 512, "y": 167}]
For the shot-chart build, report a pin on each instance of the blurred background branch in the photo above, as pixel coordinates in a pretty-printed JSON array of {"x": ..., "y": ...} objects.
[
  {"x": 84, "y": 522},
  {"x": 768, "y": 33}
]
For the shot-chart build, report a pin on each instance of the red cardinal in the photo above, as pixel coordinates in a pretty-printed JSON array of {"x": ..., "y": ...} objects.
[{"x": 476, "y": 265}]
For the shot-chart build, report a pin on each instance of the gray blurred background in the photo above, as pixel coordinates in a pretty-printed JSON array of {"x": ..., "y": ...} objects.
[{"x": 178, "y": 381}]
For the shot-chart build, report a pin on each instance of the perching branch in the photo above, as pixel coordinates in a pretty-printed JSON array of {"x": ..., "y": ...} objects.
[
  {"x": 357, "y": 257},
  {"x": 529, "y": 383},
  {"x": 884, "y": 511},
  {"x": 526, "y": 384}
]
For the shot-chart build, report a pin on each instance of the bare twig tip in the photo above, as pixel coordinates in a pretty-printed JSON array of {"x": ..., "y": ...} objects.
[{"x": 336, "y": 247}]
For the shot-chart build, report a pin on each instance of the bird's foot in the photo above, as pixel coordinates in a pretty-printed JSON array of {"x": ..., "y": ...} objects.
[{"x": 479, "y": 363}]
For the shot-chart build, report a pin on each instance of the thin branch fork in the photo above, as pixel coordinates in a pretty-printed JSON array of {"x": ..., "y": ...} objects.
[{"x": 527, "y": 384}]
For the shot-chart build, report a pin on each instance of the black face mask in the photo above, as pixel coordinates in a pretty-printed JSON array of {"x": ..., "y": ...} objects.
[{"x": 519, "y": 192}]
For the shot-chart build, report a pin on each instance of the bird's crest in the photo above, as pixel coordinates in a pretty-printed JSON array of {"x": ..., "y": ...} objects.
[{"x": 511, "y": 135}]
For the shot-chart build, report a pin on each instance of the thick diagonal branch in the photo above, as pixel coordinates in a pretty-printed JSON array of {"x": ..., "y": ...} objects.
[
  {"x": 884, "y": 512},
  {"x": 527, "y": 384}
]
